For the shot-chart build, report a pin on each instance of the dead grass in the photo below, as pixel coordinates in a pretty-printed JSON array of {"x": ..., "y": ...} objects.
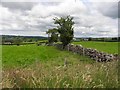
[{"x": 51, "y": 74}]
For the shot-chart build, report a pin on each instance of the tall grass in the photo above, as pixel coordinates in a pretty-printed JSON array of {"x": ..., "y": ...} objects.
[
  {"x": 54, "y": 75},
  {"x": 47, "y": 67}
]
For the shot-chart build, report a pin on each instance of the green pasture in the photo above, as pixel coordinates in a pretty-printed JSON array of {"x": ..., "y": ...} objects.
[
  {"x": 108, "y": 47},
  {"x": 32, "y": 66},
  {"x": 24, "y": 55}
]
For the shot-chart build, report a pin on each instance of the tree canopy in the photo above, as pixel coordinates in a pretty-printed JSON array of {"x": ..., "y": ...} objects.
[
  {"x": 64, "y": 29},
  {"x": 53, "y": 35}
]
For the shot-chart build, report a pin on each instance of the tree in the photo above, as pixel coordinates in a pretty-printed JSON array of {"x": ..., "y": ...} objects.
[
  {"x": 65, "y": 29},
  {"x": 52, "y": 35},
  {"x": 17, "y": 41}
]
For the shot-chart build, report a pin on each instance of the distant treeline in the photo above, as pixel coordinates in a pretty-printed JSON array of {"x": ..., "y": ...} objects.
[
  {"x": 8, "y": 39},
  {"x": 17, "y": 40},
  {"x": 110, "y": 39}
]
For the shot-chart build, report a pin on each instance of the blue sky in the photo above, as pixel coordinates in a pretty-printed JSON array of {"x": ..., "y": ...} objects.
[{"x": 92, "y": 19}]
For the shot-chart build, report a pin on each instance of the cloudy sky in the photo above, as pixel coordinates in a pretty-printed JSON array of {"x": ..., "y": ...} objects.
[{"x": 92, "y": 18}]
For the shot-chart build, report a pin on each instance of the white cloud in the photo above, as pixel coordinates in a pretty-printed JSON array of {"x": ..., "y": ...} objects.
[{"x": 37, "y": 18}]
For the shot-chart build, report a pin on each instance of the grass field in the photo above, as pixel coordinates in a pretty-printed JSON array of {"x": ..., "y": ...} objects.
[
  {"x": 108, "y": 47},
  {"x": 34, "y": 66},
  {"x": 13, "y": 56}
]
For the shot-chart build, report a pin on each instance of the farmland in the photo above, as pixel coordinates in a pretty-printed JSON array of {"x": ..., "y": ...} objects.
[
  {"x": 24, "y": 55},
  {"x": 59, "y": 44},
  {"x": 108, "y": 47},
  {"x": 44, "y": 66}
]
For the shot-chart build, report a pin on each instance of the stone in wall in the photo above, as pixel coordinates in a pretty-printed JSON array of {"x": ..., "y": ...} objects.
[{"x": 92, "y": 53}]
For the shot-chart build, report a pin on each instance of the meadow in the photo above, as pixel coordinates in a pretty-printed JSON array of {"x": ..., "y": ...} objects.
[
  {"x": 108, "y": 47},
  {"x": 32, "y": 66},
  {"x": 15, "y": 56}
]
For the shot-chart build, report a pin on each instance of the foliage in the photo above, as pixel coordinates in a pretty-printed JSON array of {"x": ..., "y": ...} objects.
[
  {"x": 65, "y": 29},
  {"x": 6, "y": 38},
  {"x": 54, "y": 35},
  {"x": 17, "y": 41}
]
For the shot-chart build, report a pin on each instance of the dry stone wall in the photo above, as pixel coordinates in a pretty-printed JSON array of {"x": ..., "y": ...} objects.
[{"x": 92, "y": 53}]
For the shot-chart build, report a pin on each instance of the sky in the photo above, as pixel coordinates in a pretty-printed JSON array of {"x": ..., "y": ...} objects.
[{"x": 33, "y": 18}]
